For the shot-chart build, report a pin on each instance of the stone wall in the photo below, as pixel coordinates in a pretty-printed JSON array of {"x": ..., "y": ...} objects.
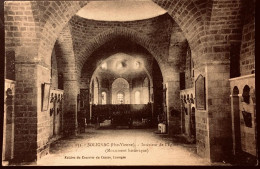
[
  {"x": 20, "y": 30},
  {"x": 223, "y": 30},
  {"x": 210, "y": 27},
  {"x": 247, "y": 53},
  {"x": 89, "y": 35}
]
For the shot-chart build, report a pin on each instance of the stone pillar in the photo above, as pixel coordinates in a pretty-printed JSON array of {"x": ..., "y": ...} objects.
[
  {"x": 25, "y": 122},
  {"x": 99, "y": 94},
  {"x": 70, "y": 104},
  {"x": 31, "y": 122},
  {"x": 219, "y": 112},
  {"x": 131, "y": 94},
  {"x": 188, "y": 107},
  {"x": 214, "y": 125},
  {"x": 236, "y": 135},
  {"x": 182, "y": 116},
  {"x": 171, "y": 80},
  {"x": 109, "y": 93}
]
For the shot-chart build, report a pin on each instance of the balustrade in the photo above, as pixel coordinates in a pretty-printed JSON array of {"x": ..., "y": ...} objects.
[{"x": 123, "y": 112}]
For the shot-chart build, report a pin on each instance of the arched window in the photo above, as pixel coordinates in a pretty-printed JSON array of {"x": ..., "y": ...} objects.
[
  {"x": 235, "y": 91},
  {"x": 104, "y": 66},
  {"x": 120, "y": 91},
  {"x": 120, "y": 97},
  {"x": 104, "y": 98},
  {"x": 137, "y": 97},
  {"x": 96, "y": 91},
  {"x": 246, "y": 94}
]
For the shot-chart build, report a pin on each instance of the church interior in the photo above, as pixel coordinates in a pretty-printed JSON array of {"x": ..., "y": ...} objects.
[{"x": 168, "y": 68}]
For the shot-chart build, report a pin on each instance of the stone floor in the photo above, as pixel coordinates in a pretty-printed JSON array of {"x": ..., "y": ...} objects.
[{"x": 121, "y": 146}]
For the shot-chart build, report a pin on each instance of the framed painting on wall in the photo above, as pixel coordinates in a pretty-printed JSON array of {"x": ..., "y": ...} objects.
[{"x": 45, "y": 96}]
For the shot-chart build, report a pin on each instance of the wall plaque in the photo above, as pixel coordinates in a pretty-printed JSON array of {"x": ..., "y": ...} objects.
[
  {"x": 200, "y": 94},
  {"x": 45, "y": 96}
]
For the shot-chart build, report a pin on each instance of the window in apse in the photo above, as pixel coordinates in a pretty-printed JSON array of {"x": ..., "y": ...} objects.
[
  {"x": 120, "y": 98},
  {"x": 104, "y": 98},
  {"x": 137, "y": 97}
]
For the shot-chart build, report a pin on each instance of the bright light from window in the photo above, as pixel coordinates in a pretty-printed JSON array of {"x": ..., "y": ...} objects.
[
  {"x": 104, "y": 98},
  {"x": 119, "y": 65},
  {"x": 104, "y": 66},
  {"x": 137, "y": 97},
  {"x": 137, "y": 65},
  {"x": 120, "y": 97}
]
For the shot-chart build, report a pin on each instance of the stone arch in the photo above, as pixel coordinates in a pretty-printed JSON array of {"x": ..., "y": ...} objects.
[
  {"x": 189, "y": 18},
  {"x": 122, "y": 80},
  {"x": 53, "y": 21},
  {"x": 127, "y": 33},
  {"x": 91, "y": 73},
  {"x": 64, "y": 50}
]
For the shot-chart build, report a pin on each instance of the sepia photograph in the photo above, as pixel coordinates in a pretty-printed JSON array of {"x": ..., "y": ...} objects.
[{"x": 129, "y": 83}]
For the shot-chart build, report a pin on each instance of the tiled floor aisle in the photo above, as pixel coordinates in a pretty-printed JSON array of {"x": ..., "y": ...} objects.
[{"x": 75, "y": 150}]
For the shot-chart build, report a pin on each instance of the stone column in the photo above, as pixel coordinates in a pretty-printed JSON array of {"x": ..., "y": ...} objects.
[
  {"x": 131, "y": 94},
  {"x": 171, "y": 80},
  {"x": 236, "y": 135},
  {"x": 219, "y": 110},
  {"x": 99, "y": 94},
  {"x": 31, "y": 121},
  {"x": 70, "y": 104}
]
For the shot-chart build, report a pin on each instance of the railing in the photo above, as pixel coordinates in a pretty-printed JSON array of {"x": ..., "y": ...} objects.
[{"x": 117, "y": 111}]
